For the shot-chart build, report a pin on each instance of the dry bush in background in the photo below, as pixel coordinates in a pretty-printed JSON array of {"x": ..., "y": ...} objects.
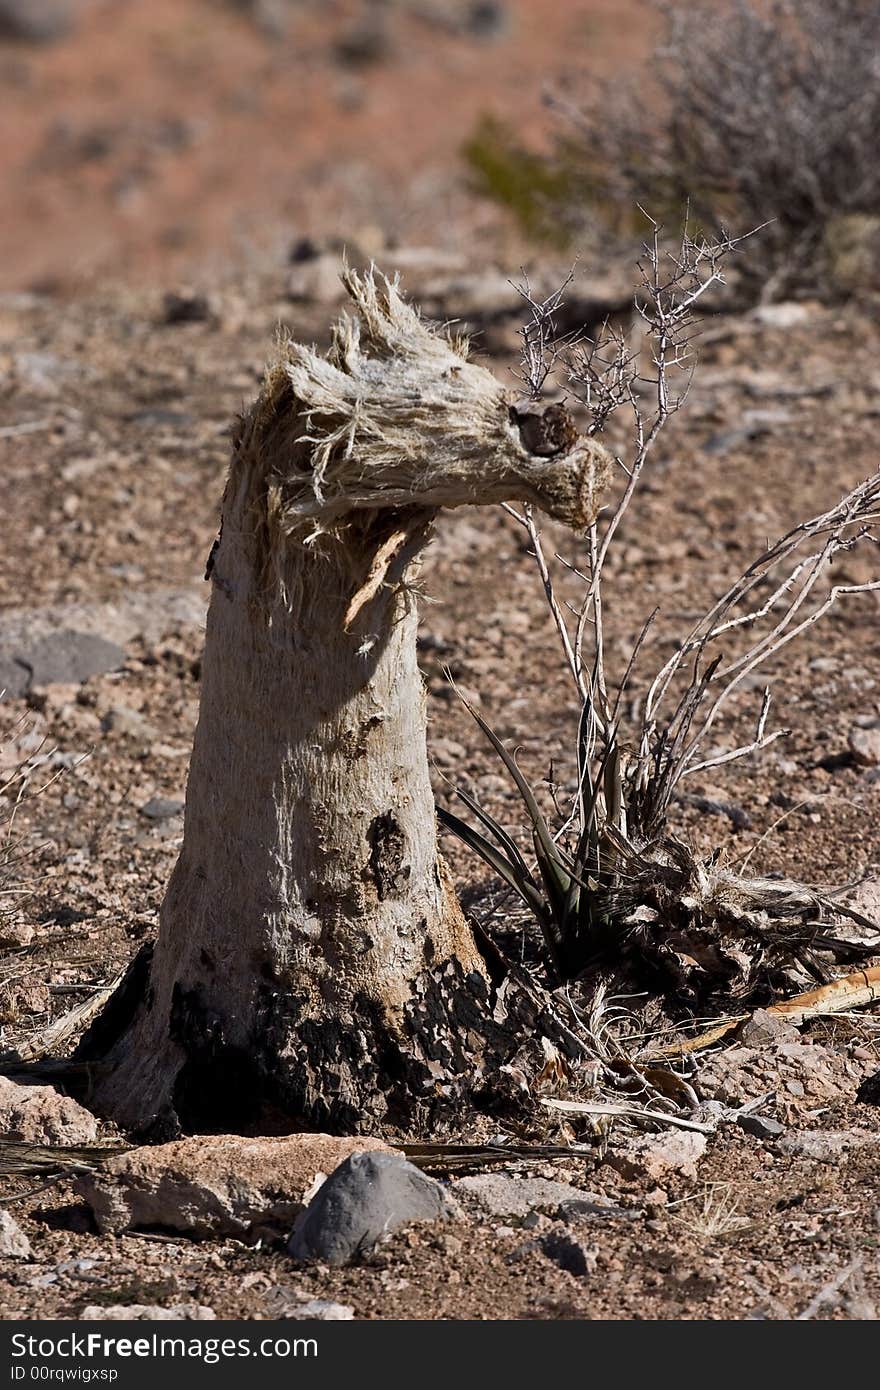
[
  {"x": 753, "y": 113},
  {"x": 617, "y": 895}
]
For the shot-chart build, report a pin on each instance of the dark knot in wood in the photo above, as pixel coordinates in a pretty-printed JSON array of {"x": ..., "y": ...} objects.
[{"x": 545, "y": 432}]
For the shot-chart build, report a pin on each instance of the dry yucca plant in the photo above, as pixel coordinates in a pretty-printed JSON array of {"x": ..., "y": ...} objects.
[{"x": 613, "y": 889}]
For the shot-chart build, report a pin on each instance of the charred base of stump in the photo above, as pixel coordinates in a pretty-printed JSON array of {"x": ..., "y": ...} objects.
[{"x": 337, "y": 1073}]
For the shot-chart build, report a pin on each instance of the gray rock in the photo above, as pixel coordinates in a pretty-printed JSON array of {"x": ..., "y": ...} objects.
[
  {"x": 39, "y": 1115},
  {"x": 864, "y": 898},
  {"x": 213, "y": 1185},
  {"x": 270, "y": 16},
  {"x": 567, "y": 1251},
  {"x": 785, "y": 315},
  {"x": 13, "y": 1241},
  {"x": 366, "y": 1198},
  {"x": 161, "y": 808},
  {"x": 761, "y": 1126},
  {"x": 502, "y": 1195},
  {"x": 42, "y": 373},
  {"x": 864, "y": 745},
  {"x": 148, "y": 1312},
  {"x": 148, "y": 614},
  {"x": 36, "y": 21},
  {"x": 320, "y": 1310},
  {"x": 739, "y": 1074},
  {"x": 824, "y": 1145},
  {"x": 14, "y": 678},
  {"x": 655, "y": 1156},
  {"x": 288, "y": 1304},
  {"x": 820, "y": 1067},
  {"x": 68, "y": 658},
  {"x": 486, "y": 18},
  {"x": 129, "y": 723},
  {"x": 16, "y": 934},
  {"x": 485, "y": 302},
  {"x": 597, "y": 1208},
  {"x": 75, "y": 1267},
  {"x": 367, "y": 42},
  {"x": 316, "y": 281},
  {"x": 765, "y": 1029},
  {"x": 723, "y": 441}
]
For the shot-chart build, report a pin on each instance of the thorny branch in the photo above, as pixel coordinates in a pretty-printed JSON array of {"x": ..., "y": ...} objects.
[
  {"x": 620, "y": 901},
  {"x": 541, "y": 347},
  {"x": 648, "y": 374}
]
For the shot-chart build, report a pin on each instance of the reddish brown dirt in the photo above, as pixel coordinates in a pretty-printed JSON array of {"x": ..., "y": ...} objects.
[
  {"x": 119, "y": 493},
  {"x": 116, "y": 491},
  {"x": 175, "y": 134}
]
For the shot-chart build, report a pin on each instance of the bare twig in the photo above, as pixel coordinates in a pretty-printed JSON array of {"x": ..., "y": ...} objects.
[
  {"x": 26, "y": 427},
  {"x": 627, "y": 1112},
  {"x": 830, "y": 1291},
  {"x": 540, "y": 345}
]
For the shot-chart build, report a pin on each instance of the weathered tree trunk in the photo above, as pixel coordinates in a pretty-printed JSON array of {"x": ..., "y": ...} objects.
[{"x": 312, "y": 957}]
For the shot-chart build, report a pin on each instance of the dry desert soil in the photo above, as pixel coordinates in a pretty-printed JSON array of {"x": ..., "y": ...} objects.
[{"x": 132, "y": 177}]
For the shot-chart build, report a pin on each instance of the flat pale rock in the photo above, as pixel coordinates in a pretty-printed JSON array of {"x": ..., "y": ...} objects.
[
  {"x": 865, "y": 898},
  {"x": 15, "y": 934},
  {"x": 740, "y": 1074},
  {"x": 482, "y": 298},
  {"x": 147, "y": 1312},
  {"x": 502, "y": 1195},
  {"x": 320, "y": 1310},
  {"x": 368, "y": 1197},
  {"x": 13, "y": 1241},
  {"x": 69, "y": 657},
  {"x": 818, "y": 1068},
  {"x": 787, "y": 314},
  {"x": 824, "y": 1145},
  {"x": 130, "y": 723},
  {"x": 40, "y": 1115},
  {"x": 30, "y": 636},
  {"x": 316, "y": 281},
  {"x": 656, "y": 1156},
  {"x": 288, "y": 1304},
  {"x": 218, "y": 1184},
  {"x": 765, "y": 1029}
]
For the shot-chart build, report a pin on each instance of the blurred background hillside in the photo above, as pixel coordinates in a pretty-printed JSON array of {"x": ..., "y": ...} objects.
[{"x": 142, "y": 138}]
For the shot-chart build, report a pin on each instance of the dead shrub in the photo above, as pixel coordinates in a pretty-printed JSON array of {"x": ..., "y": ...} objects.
[
  {"x": 617, "y": 895},
  {"x": 751, "y": 111}
]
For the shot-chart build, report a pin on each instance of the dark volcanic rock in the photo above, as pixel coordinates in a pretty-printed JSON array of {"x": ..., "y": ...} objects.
[
  {"x": 368, "y": 1197},
  {"x": 569, "y": 1252},
  {"x": 761, "y": 1126}
]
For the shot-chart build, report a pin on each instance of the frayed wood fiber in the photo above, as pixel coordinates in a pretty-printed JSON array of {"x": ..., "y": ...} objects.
[{"x": 395, "y": 417}]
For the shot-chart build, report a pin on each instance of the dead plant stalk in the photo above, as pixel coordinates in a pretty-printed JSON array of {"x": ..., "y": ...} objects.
[{"x": 612, "y": 876}]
